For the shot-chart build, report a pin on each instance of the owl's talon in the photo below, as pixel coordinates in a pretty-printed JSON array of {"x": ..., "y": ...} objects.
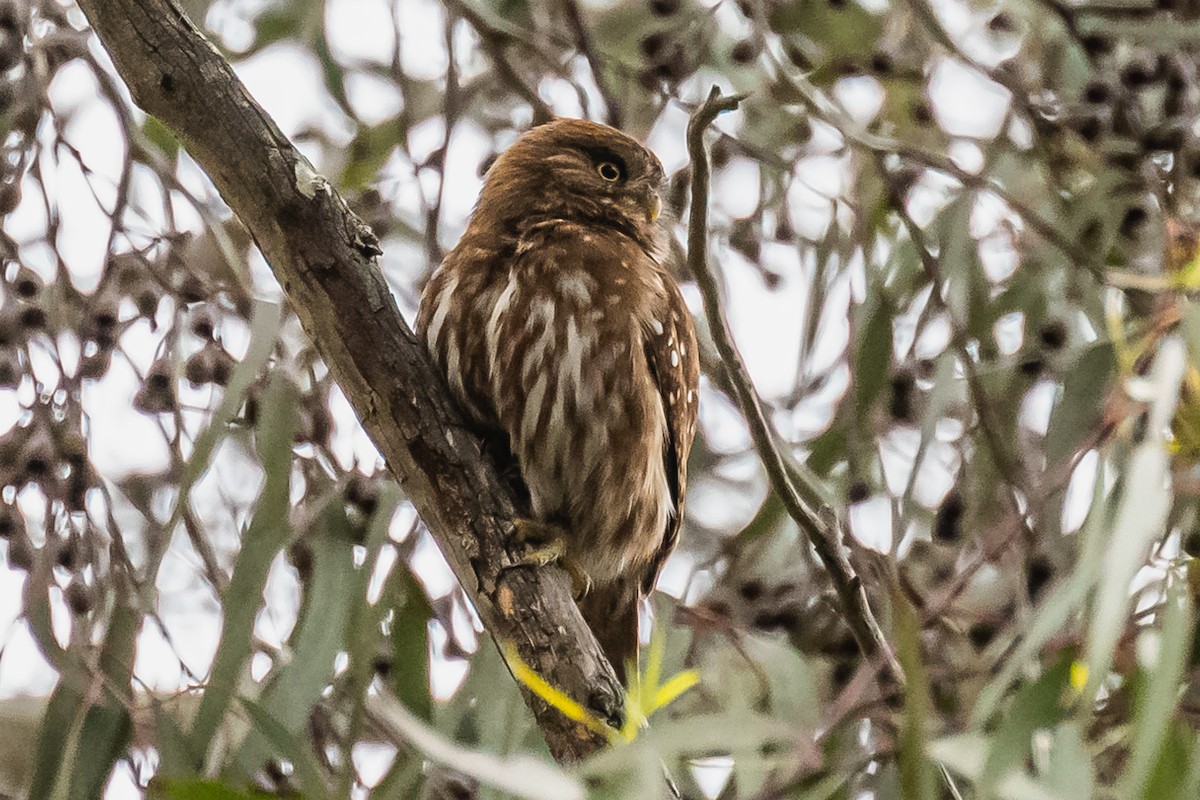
[
  {"x": 581, "y": 582},
  {"x": 541, "y": 555},
  {"x": 544, "y": 543},
  {"x": 532, "y": 533}
]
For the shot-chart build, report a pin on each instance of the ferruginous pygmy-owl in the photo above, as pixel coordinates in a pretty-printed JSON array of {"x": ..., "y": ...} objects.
[{"x": 565, "y": 339}]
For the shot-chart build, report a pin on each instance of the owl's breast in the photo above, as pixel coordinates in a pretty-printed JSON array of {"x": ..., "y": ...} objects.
[{"x": 551, "y": 346}]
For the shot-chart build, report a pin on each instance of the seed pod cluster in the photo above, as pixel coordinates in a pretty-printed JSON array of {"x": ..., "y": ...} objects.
[{"x": 49, "y": 451}]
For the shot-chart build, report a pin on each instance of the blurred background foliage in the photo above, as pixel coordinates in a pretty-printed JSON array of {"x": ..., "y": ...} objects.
[{"x": 959, "y": 241}]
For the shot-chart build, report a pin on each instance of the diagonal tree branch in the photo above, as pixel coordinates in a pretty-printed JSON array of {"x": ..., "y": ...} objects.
[
  {"x": 323, "y": 257},
  {"x": 821, "y": 529}
]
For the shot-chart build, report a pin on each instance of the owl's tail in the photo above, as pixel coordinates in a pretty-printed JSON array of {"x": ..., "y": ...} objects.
[{"x": 611, "y": 611}]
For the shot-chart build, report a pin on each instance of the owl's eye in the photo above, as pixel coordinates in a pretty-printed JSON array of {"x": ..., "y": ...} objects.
[{"x": 609, "y": 171}]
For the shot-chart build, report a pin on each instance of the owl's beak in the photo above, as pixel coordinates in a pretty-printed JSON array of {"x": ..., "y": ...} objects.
[{"x": 654, "y": 207}]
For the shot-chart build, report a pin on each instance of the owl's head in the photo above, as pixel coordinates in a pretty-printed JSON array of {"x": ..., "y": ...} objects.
[{"x": 580, "y": 171}]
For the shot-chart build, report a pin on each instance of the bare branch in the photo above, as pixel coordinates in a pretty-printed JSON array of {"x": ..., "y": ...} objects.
[
  {"x": 323, "y": 257},
  {"x": 820, "y": 528},
  {"x": 586, "y": 45},
  {"x": 496, "y": 42}
]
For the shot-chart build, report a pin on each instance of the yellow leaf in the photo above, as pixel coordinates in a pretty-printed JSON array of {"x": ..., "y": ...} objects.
[
  {"x": 556, "y": 698},
  {"x": 671, "y": 690},
  {"x": 1079, "y": 675}
]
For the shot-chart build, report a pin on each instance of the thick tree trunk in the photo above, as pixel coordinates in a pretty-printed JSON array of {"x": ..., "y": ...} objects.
[{"x": 323, "y": 256}]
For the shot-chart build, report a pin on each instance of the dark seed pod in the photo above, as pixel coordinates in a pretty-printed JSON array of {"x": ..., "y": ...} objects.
[
  {"x": 1096, "y": 45},
  {"x": 301, "y": 556},
  {"x": 198, "y": 369},
  {"x": 901, "y": 406},
  {"x": 654, "y": 46},
  {"x": 751, "y": 590},
  {"x": 1032, "y": 367},
  {"x": 1133, "y": 221},
  {"x": 920, "y": 112},
  {"x": 96, "y": 365},
  {"x": 10, "y": 196},
  {"x": 1097, "y": 92},
  {"x": 1002, "y": 23},
  {"x": 146, "y": 299},
  {"x": 39, "y": 455},
  {"x": 363, "y": 493},
  {"x": 32, "y": 317},
  {"x": 1053, "y": 334},
  {"x": 203, "y": 322},
  {"x": 797, "y": 56},
  {"x": 12, "y": 522},
  {"x": 1041, "y": 571},
  {"x": 981, "y": 634},
  {"x": 103, "y": 319},
  {"x": 27, "y": 284},
  {"x": 21, "y": 553},
  {"x": 743, "y": 52},
  {"x": 70, "y": 554},
  {"x": 322, "y": 424},
  {"x": 157, "y": 394},
  {"x": 222, "y": 366},
  {"x": 10, "y": 368},
  {"x": 189, "y": 288},
  {"x": 80, "y": 597},
  {"x": 947, "y": 525},
  {"x": 1139, "y": 73},
  {"x": 777, "y": 619}
]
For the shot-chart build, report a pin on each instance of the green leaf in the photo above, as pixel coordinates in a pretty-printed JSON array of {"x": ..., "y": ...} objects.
[
  {"x": 177, "y": 757},
  {"x": 267, "y": 534},
  {"x": 873, "y": 357},
  {"x": 77, "y": 714},
  {"x": 289, "y": 745},
  {"x": 1070, "y": 771},
  {"x": 1170, "y": 779},
  {"x": 916, "y": 773},
  {"x": 278, "y": 22},
  {"x": 365, "y": 628},
  {"x": 160, "y": 136},
  {"x": 1140, "y": 516},
  {"x": 1159, "y": 693},
  {"x": 966, "y": 753},
  {"x": 410, "y": 647},
  {"x": 1078, "y": 411},
  {"x": 521, "y": 776},
  {"x": 843, "y": 29},
  {"x": 319, "y": 635},
  {"x": 1059, "y": 607},
  {"x": 194, "y": 789},
  {"x": 1041, "y": 704},
  {"x": 368, "y": 151}
]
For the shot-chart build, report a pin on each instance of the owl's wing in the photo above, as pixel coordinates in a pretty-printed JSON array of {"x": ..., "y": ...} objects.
[{"x": 674, "y": 360}]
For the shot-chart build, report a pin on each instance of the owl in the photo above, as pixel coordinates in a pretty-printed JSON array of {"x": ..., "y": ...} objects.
[{"x": 563, "y": 336}]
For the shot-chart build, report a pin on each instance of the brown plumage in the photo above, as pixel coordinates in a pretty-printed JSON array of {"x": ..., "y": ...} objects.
[{"x": 564, "y": 337}]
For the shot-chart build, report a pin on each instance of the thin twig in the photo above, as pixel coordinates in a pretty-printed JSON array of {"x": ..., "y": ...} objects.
[
  {"x": 821, "y": 528},
  {"x": 587, "y": 47},
  {"x": 496, "y": 43}
]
